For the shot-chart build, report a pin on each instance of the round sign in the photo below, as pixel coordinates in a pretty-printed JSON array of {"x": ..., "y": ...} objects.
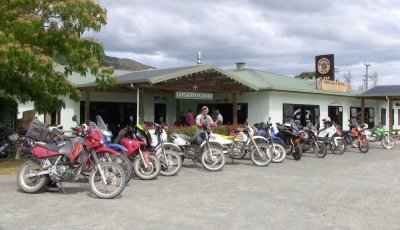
[{"x": 324, "y": 65}]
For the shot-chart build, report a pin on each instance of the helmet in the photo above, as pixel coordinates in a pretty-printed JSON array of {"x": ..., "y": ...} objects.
[{"x": 326, "y": 120}]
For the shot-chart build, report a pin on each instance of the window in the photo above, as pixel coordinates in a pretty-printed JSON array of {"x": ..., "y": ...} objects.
[
  {"x": 398, "y": 117},
  {"x": 53, "y": 118},
  {"x": 369, "y": 115},
  {"x": 383, "y": 116},
  {"x": 301, "y": 114}
]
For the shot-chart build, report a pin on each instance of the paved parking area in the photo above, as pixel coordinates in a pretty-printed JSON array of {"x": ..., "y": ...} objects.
[{"x": 350, "y": 191}]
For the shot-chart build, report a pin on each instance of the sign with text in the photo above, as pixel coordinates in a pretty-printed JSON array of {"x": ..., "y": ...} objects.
[
  {"x": 323, "y": 84},
  {"x": 194, "y": 95},
  {"x": 325, "y": 67}
]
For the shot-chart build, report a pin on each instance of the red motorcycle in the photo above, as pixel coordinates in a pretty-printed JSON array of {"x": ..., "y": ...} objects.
[
  {"x": 137, "y": 140},
  {"x": 68, "y": 162}
]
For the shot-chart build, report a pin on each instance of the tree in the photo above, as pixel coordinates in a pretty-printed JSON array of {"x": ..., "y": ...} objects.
[
  {"x": 348, "y": 78},
  {"x": 374, "y": 78},
  {"x": 306, "y": 75},
  {"x": 32, "y": 33}
]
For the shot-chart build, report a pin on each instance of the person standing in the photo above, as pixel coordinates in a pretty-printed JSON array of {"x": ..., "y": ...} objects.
[
  {"x": 182, "y": 119},
  {"x": 203, "y": 119},
  {"x": 190, "y": 118},
  {"x": 218, "y": 118}
]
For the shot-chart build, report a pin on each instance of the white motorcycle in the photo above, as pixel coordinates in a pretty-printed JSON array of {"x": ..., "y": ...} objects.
[
  {"x": 243, "y": 142},
  {"x": 329, "y": 135},
  {"x": 209, "y": 152}
]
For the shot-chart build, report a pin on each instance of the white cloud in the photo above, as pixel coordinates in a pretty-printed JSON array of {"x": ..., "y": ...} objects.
[{"x": 272, "y": 35}]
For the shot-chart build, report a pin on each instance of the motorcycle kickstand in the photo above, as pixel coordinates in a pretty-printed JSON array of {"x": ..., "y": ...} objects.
[{"x": 62, "y": 188}]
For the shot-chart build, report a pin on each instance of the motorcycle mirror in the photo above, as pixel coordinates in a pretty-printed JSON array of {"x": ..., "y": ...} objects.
[{"x": 74, "y": 118}]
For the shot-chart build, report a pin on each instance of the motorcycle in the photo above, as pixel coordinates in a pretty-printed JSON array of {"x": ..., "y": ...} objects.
[
  {"x": 291, "y": 134},
  {"x": 120, "y": 159},
  {"x": 169, "y": 156},
  {"x": 379, "y": 134},
  {"x": 209, "y": 152},
  {"x": 276, "y": 144},
  {"x": 332, "y": 137},
  {"x": 8, "y": 142},
  {"x": 67, "y": 162},
  {"x": 356, "y": 137},
  {"x": 309, "y": 136},
  {"x": 137, "y": 141},
  {"x": 243, "y": 141}
]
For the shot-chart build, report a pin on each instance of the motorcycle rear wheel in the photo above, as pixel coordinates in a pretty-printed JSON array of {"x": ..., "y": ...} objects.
[
  {"x": 34, "y": 184},
  {"x": 214, "y": 163},
  {"x": 388, "y": 142},
  {"x": 115, "y": 180},
  {"x": 265, "y": 158},
  {"x": 152, "y": 170},
  {"x": 319, "y": 149}
]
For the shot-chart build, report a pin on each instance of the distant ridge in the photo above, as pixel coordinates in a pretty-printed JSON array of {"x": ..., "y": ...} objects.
[
  {"x": 117, "y": 63},
  {"x": 124, "y": 63}
]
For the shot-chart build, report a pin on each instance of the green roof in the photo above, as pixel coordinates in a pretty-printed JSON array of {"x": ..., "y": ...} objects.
[
  {"x": 254, "y": 79},
  {"x": 271, "y": 81}
]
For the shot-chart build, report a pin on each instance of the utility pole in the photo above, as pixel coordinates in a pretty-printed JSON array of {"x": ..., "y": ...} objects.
[{"x": 366, "y": 75}]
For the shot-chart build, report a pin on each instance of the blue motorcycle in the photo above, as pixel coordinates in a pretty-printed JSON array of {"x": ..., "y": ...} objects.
[
  {"x": 278, "y": 145},
  {"x": 122, "y": 160}
]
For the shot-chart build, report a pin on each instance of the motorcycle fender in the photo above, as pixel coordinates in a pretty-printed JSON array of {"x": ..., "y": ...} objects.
[
  {"x": 260, "y": 138},
  {"x": 335, "y": 140},
  {"x": 279, "y": 140},
  {"x": 117, "y": 146},
  {"x": 212, "y": 143},
  {"x": 107, "y": 149},
  {"x": 173, "y": 147}
]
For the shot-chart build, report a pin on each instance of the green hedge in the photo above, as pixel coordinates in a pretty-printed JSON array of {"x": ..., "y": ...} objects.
[{"x": 191, "y": 130}]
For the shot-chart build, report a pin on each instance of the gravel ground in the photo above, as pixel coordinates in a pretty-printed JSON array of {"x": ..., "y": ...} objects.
[{"x": 350, "y": 191}]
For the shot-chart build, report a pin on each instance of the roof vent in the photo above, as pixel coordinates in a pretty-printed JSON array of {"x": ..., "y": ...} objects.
[
  {"x": 240, "y": 66},
  {"x": 199, "y": 62}
]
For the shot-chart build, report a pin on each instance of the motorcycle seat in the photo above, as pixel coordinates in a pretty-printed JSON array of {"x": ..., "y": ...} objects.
[
  {"x": 48, "y": 146},
  {"x": 187, "y": 138}
]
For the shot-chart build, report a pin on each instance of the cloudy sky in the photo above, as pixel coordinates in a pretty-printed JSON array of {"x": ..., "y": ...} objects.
[{"x": 272, "y": 35}]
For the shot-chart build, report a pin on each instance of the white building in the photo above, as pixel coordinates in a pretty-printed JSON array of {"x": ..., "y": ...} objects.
[{"x": 239, "y": 94}]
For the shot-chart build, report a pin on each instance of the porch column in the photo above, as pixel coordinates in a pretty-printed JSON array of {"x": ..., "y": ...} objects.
[
  {"x": 87, "y": 105},
  {"x": 234, "y": 108},
  {"x": 177, "y": 109},
  {"x": 390, "y": 109},
  {"x": 141, "y": 105},
  {"x": 362, "y": 110}
]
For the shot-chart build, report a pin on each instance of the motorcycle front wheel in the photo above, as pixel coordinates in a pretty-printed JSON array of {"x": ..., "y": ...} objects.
[
  {"x": 320, "y": 149},
  {"x": 171, "y": 163},
  {"x": 388, "y": 142},
  {"x": 125, "y": 163},
  {"x": 279, "y": 153},
  {"x": 214, "y": 161},
  {"x": 340, "y": 148},
  {"x": 114, "y": 180},
  {"x": 263, "y": 158},
  {"x": 152, "y": 170},
  {"x": 297, "y": 152},
  {"x": 31, "y": 184},
  {"x": 363, "y": 145}
]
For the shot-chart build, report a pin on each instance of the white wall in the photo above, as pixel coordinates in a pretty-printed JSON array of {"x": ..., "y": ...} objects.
[
  {"x": 258, "y": 106},
  {"x": 71, "y": 108},
  {"x": 277, "y": 99}
]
